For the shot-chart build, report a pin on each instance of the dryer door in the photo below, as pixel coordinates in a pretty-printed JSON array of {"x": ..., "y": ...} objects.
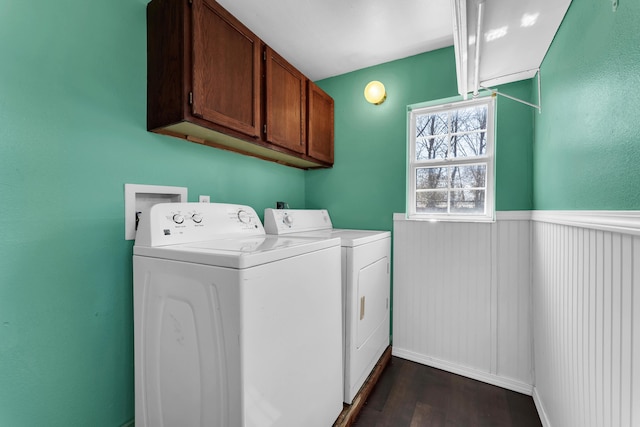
[
  {"x": 366, "y": 311},
  {"x": 373, "y": 299}
]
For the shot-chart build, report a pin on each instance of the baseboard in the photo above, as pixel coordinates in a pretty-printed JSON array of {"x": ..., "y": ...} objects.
[
  {"x": 465, "y": 371},
  {"x": 541, "y": 412}
]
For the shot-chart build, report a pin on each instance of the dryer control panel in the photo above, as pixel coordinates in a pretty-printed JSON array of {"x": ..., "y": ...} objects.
[
  {"x": 284, "y": 221},
  {"x": 174, "y": 223}
]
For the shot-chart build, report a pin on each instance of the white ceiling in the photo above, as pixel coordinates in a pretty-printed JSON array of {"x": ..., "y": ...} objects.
[{"x": 324, "y": 38}]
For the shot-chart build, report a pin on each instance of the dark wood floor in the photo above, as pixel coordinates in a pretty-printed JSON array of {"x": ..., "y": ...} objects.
[{"x": 412, "y": 395}]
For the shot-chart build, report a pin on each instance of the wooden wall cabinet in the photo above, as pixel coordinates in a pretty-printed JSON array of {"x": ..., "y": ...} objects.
[
  {"x": 212, "y": 81},
  {"x": 226, "y": 70},
  {"x": 319, "y": 124},
  {"x": 285, "y": 105}
]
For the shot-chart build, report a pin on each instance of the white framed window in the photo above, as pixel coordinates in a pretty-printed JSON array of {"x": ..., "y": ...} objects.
[{"x": 451, "y": 161}]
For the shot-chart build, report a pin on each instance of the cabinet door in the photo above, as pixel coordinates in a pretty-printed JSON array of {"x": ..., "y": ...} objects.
[
  {"x": 320, "y": 124},
  {"x": 285, "y": 103},
  {"x": 226, "y": 69}
]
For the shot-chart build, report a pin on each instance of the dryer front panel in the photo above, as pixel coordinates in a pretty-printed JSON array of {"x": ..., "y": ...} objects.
[{"x": 367, "y": 308}]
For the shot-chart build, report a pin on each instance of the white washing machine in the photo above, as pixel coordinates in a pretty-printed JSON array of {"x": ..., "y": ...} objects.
[
  {"x": 365, "y": 286},
  {"x": 234, "y": 328}
]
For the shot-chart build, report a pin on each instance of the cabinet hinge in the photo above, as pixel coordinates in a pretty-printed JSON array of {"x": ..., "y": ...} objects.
[
  {"x": 190, "y": 98},
  {"x": 264, "y": 128},
  {"x": 190, "y": 2},
  {"x": 264, "y": 55}
]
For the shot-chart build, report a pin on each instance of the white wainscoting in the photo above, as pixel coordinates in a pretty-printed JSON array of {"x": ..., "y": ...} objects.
[
  {"x": 478, "y": 299},
  {"x": 462, "y": 297},
  {"x": 586, "y": 299}
]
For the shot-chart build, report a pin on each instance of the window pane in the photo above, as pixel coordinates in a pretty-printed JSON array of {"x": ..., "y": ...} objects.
[
  {"x": 468, "y": 145},
  {"x": 469, "y": 176},
  {"x": 430, "y": 178},
  {"x": 431, "y": 201},
  {"x": 467, "y": 201},
  {"x": 431, "y": 148},
  {"x": 431, "y": 124},
  {"x": 469, "y": 119}
]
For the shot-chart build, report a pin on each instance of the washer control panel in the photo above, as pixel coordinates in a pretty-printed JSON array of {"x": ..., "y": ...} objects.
[
  {"x": 284, "y": 221},
  {"x": 174, "y": 223}
]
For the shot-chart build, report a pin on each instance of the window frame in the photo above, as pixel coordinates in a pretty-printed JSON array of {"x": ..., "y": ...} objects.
[{"x": 489, "y": 158}]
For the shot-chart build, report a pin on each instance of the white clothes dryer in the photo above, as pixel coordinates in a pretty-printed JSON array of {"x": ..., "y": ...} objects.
[
  {"x": 234, "y": 327},
  {"x": 366, "y": 285}
]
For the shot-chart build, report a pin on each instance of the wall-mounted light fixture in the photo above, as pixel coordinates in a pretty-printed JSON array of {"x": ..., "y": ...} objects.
[{"x": 375, "y": 93}]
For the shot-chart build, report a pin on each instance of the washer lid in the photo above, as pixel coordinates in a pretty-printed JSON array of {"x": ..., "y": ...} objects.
[
  {"x": 237, "y": 253},
  {"x": 348, "y": 238}
]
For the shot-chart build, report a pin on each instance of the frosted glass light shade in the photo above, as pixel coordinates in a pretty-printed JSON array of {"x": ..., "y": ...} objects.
[{"x": 375, "y": 93}]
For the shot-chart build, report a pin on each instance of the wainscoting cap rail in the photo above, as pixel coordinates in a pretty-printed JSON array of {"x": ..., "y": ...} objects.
[
  {"x": 500, "y": 216},
  {"x": 616, "y": 221}
]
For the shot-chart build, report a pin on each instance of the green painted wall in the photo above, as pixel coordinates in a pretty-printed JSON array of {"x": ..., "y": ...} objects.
[
  {"x": 514, "y": 150},
  {"x": 587, "y": 139},
  {"x": 367, "y": 183},
  {"x": 72, "y": 133}
]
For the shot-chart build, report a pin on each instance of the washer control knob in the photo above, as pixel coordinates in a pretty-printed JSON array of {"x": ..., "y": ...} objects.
[
  {"x": 244, "y": 217},
  {"x": 197, "y": 218},
  {"x": 178, "y": 219},
  {"x": 288, "y": 220}
]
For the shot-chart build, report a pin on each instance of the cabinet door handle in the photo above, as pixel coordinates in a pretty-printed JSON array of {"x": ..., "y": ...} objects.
[{"x": 361, "y": 307}]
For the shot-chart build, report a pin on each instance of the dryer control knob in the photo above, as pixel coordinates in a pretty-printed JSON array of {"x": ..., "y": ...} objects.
[
  {"x": 244, "y": 217},
  {"x": 197, "y": 218},
  {"x": 178, "y": 219},
  {"x": 288, "y": 220}
]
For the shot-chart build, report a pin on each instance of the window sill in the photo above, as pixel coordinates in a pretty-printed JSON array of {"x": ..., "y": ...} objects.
[{"x": 425, "y": 218}]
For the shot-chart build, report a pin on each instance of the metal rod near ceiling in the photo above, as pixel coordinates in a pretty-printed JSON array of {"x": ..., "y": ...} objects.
[
  {"x": 476, "y": 59},
  {"x": 460, "y": 43}
]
